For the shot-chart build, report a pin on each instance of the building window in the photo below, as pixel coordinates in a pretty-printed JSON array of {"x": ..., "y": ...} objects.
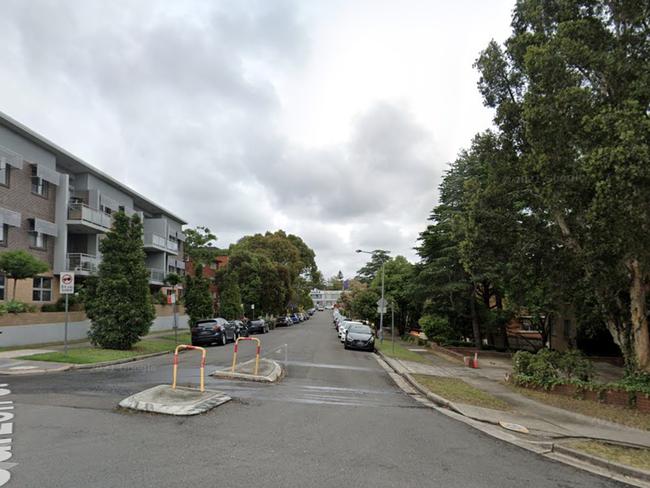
[
  {"x": 2, "y": 286},
  {"x": 4, "y": 174},
  {"x": 39, "y": 185},
  {"x": 38, "y": 240},
  {"x": 4, "y": 231},
  {"x": 42, "y": 290}
]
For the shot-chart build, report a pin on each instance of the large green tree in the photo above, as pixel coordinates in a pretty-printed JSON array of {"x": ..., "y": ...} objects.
[
  {"x": 120, "y": 306},
  {"x": 197, "y": 298},
  {"x": 230, "y": 301},
  {"x": 570, "y": 91}
]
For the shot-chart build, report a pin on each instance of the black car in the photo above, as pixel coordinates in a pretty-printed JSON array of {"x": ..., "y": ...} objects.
[
  {"x": 213, "y": 331},
  {"x": 359, "y": 337},
  {"x": 258, "y": 326},
  {"x": 283, "y": 321},
  {"x": 241, "y": 328}
]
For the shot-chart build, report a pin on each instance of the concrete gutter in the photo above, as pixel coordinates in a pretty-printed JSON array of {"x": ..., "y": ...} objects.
[{"x": 553, "y": 450}]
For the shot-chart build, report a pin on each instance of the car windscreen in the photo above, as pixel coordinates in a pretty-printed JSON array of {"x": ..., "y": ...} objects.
[
  {"x": 360, "y": 329},
  {"x": 206, "y": 322}
]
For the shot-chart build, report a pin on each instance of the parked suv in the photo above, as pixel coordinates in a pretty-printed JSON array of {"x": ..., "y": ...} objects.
[
  {"x": 258, "y": 326},
  {"x": 213, "y": 331}
]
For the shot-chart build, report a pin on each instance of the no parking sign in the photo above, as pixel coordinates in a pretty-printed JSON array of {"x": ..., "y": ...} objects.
[{"x": 66, "y": 286}]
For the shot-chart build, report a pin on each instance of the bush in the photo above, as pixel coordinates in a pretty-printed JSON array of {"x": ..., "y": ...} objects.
[
  {"x": 435, "y": 326},
  {"x": 159, "y": 298},
  {"x": 548, "y": 368},
  {"x": 3, "y": 309},
  {"x": 14, "y": 306},
  {"x": 74, "y": 303}
]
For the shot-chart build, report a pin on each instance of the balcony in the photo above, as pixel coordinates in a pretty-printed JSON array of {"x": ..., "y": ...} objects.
[
  {"x": 154, "y": 241},
  {"x": 85, "y": 220},
  {"x": 159, "y": 243},
  {"x": 156, "y": 276},
  {"x": 83, "y": 264}
]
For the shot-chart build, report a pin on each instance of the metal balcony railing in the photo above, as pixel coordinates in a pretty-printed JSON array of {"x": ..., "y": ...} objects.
[
  {"x": 81, "y": 211},
  {"x": 151, "y": 239},
  {"x": 156, "y": 275},
  {"x": 81, "y": 262}
]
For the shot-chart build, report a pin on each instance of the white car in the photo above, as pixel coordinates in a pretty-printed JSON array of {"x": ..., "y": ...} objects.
[{"x": 343, "y": 328}]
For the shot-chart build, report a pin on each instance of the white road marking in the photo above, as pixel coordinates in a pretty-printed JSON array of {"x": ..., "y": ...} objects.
[{"x": 6, "y": 428}]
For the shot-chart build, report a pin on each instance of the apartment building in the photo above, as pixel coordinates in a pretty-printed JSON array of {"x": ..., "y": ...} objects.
[
  {"x": 58, "y": 208},
  {"x": 325, "y": 298}
]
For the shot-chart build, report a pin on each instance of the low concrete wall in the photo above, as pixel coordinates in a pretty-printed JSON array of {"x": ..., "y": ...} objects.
[{"x": 40, "y": 333}]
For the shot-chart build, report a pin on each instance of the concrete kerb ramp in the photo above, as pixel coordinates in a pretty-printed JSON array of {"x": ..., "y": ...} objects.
[
  {"x": 258, "y": 369},
  {"x": 173, "y": 400},
  {"x": 269, "y": 371}
]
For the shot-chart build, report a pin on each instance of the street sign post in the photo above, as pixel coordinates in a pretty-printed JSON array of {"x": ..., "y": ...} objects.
[{"x": 66, "y": 287}]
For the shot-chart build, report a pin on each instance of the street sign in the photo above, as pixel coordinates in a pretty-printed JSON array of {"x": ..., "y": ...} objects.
[
  {"x": 382, "y": 303},
  {"x": 253, "y": 306},
  {"x": 66, "y": 285},
  {"x": 381, "y": 309}
]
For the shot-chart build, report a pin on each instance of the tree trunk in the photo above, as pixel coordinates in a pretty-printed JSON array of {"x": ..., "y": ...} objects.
[
  {"x": 639, "y": 316},
  {"x": 476, "y": 328},
  {"x": 14, "y": 294}
]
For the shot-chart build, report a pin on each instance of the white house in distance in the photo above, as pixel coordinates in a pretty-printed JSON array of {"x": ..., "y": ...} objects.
[{"x": 325, "y": 298}]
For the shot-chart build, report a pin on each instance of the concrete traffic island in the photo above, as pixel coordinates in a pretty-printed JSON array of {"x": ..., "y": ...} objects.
[
  {"x": 175, "y": 401},
  {"x": 268, "y": 371}
]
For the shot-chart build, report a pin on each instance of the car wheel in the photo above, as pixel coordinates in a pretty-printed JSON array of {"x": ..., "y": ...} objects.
[
  {"x": 346, "y": 346},
  {"x": 224, "y": 340}
]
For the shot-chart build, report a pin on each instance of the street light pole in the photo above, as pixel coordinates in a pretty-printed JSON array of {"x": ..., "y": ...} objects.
[{"x": 382, "y": 308}]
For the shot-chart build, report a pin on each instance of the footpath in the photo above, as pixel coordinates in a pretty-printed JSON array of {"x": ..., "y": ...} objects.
[{"x": 522, "y": 420}]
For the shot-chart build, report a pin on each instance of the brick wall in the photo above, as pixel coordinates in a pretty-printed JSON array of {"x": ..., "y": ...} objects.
[{"x": 18, "y": 197}]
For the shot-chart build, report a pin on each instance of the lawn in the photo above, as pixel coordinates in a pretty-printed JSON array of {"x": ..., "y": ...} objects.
[
  {"x": 88, "y": 355},
  {"x": 456, "y": 390},
  {"x": 183, "y": 337},
  {"x": 400, "y": 352},
  {"x": 625, "y": 416},
  {"x": 638, "y": 458}
]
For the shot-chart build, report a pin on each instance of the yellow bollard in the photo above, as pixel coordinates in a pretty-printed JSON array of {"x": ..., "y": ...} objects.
[{"x": 202, "y": 368}]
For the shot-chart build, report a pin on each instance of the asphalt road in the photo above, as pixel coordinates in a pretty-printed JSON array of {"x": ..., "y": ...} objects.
[{"x": 337, "y": 420}]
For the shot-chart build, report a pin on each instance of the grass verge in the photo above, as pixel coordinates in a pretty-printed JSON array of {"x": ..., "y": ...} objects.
[
  {"x": 456, "y": 390},
  {"x": 624, "y": 416},
  {"x": 399, "y": 353},
  {"x": 89, "y": 355},
  {"x": 630, "y": 456},
  {"x": 183, "y": 337}
]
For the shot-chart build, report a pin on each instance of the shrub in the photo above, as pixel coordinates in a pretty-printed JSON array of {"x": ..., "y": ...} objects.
[
  {"x": 548, "y": 368},
  {"x": 159, "y": 298},
  {"x": 14, "y": 306},
  {"x": 438, "y": 327},
  {"x": 50, "y": 307},
  {"x": 3, "y": 309}
]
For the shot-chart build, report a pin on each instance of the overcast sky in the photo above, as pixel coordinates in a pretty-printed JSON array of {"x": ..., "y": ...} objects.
[{"x": 331, "y": 119}]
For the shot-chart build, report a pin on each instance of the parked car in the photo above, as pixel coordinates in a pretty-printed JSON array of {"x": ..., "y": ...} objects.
[
  {"x": 258, "y": 326},
  {"x": 343, "y": 328},
  {"x": 320, "y": 308},
  {"x": 213, "y": 331},
  {"x": 295, "y": 318},
  {"x": 311, "y": 311},
  {"x": 359, "y": 336},
  {"x": 241, "y": 328},
  {"x": 283, "y": 321}
]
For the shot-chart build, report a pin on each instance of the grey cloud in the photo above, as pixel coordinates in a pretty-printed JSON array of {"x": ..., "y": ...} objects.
[{"x": 178, "y": 99}]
